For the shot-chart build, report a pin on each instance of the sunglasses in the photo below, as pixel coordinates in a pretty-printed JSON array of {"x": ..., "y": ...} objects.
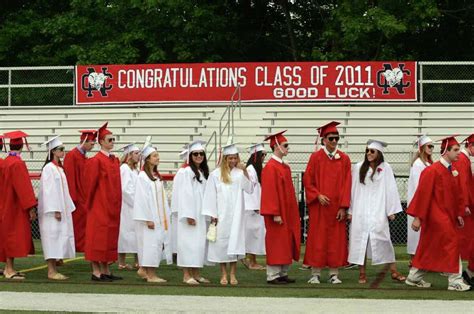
[
  {"x": 195, "y": 154},
  {"x": 333, "y": 138},
  {"x": 372, "y": 151},
  {"x": 61, "y": 148},
  {"x": 430, "y": 146},
  {"x": 286, "y": 145},
  {"x": 110, "y": 140}
]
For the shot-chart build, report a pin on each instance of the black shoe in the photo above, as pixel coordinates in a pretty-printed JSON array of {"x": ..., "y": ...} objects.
[
  {"x": 112, "y": 277},
  {"x": 467, "y": 279},
  {"x": 277, "y": 281},
  {"x": 101, "y": 278},
  {"x": 286, "y": 279}
]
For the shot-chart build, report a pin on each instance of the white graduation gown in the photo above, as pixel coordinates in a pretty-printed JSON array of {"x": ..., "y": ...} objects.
[
  {"x": 151, "y": 204},
  {"x": 254, "y": 222},
  {"x": 192, "y": 242},
  {"x": 415, "y": 171},
  {"x": 57, "y": 237},
  {"x": 174, "y": 209},
  {"x": 371, "y": 204},
  {"x": 226, "y": 203},
  {"x": 127, "y": 242}
]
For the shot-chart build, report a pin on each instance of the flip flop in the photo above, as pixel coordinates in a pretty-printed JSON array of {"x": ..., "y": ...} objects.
[
  {"x": 202, "y": 280},
  {"x": 257, "y": 267},
  {"x": 125, "y": 267},
  {"x": 15, "y": 276},
  {"x": 191, "y": 281},
  {"x": 234, "y": 282},
  {"x": 398, "y": 277},
  {"x": 224, "y": 282},
  {"x": 362, "y": 278},
  {"x": 58, "y": 276}
]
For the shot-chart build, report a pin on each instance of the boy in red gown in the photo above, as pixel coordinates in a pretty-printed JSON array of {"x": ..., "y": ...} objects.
[
  {"x": 327, "y": 182},
  {"x": 104, "y": 201},
  {"x": 280, "y": 210},
  {"x": 74, "y": 167},
  {"x": 17, "y": 206},
  {"x": 438, "y": 209}
]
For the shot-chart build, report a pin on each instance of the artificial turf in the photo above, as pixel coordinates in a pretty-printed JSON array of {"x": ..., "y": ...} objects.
[{"x": 251, "y": 283}]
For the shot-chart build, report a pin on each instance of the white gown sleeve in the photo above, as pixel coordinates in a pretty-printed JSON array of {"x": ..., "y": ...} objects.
[
  {"x": 355, "y": 183},
  {"x": 415, "y": 173},
  {"x": 246, "y": 184},
  {"x": 187, "y": 204},
  {"x": 209, "y": 202},
  {"x": 144, "y": 204},
  {"x": 393, "y": 204},
  {"x": 128, "y": 186},
  {"x": 51, "y": 191}
]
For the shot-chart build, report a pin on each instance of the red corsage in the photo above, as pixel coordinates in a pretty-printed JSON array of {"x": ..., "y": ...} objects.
[{"x": 379, "y": 170}]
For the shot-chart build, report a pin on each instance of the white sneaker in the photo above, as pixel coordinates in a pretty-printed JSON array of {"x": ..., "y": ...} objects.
[
  {"x": 334, "y": 280},
  {"x": 314, "y": 280},
  {"x": 459, "y": 286},
  {"x": 418, "y": 284}
]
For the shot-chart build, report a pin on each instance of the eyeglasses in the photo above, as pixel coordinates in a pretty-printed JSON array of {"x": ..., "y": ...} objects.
[
  {"x": 110, "y": 140},
  {"x": 372, "y": 151},
  {"x": 333, "y": 138},
  {"x": 430, "y": 146},
  {"x": 195, "y": 154}
]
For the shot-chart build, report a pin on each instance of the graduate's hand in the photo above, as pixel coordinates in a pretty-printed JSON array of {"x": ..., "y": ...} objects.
[
  {"x": 57, "y": 215},
  {"x": 341, "y": 214},
  {"x": 460, "y": 222},
  {"x": 323, "y": 200},
  {"x": 32, "y": 214},
  {"x": 391, "y": 217},
  {"x": 349, "y": 217},
  {"x": 278, "y": 220},
  {"x": 468, "y": 211},
  {"x": 416, "y": 224},
  {"x": 150, "y": 225},
  {"x": 191, "y": 221}
]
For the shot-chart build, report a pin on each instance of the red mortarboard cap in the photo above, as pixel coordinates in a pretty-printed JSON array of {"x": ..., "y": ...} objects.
[
  {"x": 448, "y": 141},
  {"x": 16, "y": 137},
  {"x": 276, "y": 138},
  {"x": 469, "y": 139},
  {"x": 331, "y": 127},
  {"x": 102, "y": 131},
  {"x": 88, "y": 135}
]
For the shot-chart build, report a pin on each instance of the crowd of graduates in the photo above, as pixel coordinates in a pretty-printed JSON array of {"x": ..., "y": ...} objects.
[{"x": 108, "y": 207}]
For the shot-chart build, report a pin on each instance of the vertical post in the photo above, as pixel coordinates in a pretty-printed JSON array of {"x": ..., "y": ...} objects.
[
  {"x": 421, "y": 81},
  {"x": 9, "y": 87},
  {"x": 74, "y": 86}
]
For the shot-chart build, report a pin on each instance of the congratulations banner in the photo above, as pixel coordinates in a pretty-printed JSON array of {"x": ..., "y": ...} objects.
[{"x": 216, "y": 82}]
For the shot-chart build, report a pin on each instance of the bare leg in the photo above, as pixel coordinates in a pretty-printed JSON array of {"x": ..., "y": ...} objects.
[
  {"x": 362, "y": 273},
  {"x": 187, "y": 273},
  {"x": 150, "y": 272},
  {"x": 104, "y": 268},
  {"x": 52, "y": 270},
  {"x": 223, "y": 273},
  {"x": 96, "y": 269},
  {"x": 233, "y": 271},
  {"x": 121, "y": 259}
]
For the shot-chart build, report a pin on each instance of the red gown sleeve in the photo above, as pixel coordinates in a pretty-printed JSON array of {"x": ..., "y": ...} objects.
[
  {"x": 22, "y": 185},
  {"x": 270, "y": 205},
  {"x": 346, "y": 193},
  {"x": 309, "y": 180},
  {"x": 91, "y": 180},
  {"x": 420, "y": 204}
]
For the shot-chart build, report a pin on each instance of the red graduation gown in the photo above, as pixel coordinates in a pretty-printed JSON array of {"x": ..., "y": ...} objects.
[
  {"x": 104, "y": 201},
  {"x": 278, "y": 199},
  {"x": 74, "y": 167},
  {"x": 463, "y": 166},
  {"x": 17, "y": 198},
  {"x": 326, "y": 245},
  {"x": 437, "y": 203}
]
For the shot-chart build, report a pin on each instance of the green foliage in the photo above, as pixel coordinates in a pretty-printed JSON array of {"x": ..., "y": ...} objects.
[{"x": 41, "y": 32}]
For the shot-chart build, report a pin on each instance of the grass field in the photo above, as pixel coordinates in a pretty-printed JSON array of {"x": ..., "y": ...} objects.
[{"x": 251, "y": 283}]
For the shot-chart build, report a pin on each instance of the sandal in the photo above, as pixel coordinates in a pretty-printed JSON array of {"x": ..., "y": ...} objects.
[
  {"x": 191, "y": 281},
  {"x": 156, "y": 280},
  {"x": 224, "y": 281},
  {"x": 257, "y": 267},
  {"x": 202, "y": 280},
  {"x": 234, "y": 281},
  {"x": 15, "y": 276},
  {"x": 362, "y": 278},
  {"x": 58, "y": 276},
  {"x": 125, "y": 267},
  {"x": 398, "y": 277}
]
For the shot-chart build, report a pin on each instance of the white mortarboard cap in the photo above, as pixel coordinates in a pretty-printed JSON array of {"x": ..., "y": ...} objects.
[
  {"x": 422, "y": 140},
  {"x": 52, "y": 143},
  {"x": 230, "y": 149},
  {"x": 127, "y": 149},
  {"x": 147, "y": 151},
  {"x": 376, "y": 144},
  {"x": 196, "y": 145},
  {"x": 255, "y": 148},
  {"x": 184, "y": 155}
]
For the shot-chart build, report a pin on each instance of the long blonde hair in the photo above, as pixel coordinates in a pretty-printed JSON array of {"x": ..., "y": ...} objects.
[
  {"x": 225, "y": 169},
  {"x": 420, "y": 153}
]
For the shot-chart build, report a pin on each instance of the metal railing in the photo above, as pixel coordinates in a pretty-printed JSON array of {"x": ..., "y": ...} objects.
[
  {"x": 213, "y": 152},
  {"x": 229, "y": 112}
]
